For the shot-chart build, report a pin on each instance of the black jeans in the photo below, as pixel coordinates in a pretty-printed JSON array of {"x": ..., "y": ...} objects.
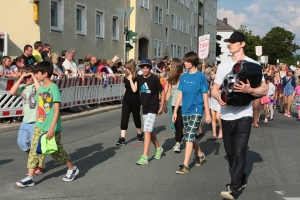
[
  {"x": 126, "y": 110},
  {"x": 236, "y": 135},
  {"x": 178, "y": 125}
]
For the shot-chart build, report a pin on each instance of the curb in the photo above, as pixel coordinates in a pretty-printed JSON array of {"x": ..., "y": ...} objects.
[{"x": 14, "y": 127}]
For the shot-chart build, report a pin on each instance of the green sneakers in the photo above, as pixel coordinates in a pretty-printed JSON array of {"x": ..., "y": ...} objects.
[
  {"x": 158, "y": 153},
  {"x": 142, "y": 161}
]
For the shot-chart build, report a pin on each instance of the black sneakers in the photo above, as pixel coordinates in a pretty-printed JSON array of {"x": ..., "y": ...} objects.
[
  {"x": 121, "y": 141},
  {"x": 140, "y": 137}
]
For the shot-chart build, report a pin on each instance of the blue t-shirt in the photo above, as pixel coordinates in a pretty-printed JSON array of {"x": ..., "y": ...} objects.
[{"x": 192, "y": 87}]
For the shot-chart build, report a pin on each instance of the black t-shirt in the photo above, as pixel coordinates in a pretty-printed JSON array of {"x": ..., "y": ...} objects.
[
  {"x": 30, "y": 60},
  {"x": 150, "y": 88},
  {"x": 130, "y": 97},
  {"x": 45, "y": 56}
]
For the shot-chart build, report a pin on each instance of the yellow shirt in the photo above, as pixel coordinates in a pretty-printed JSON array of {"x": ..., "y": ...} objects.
[{"x": 37, "y": 56}]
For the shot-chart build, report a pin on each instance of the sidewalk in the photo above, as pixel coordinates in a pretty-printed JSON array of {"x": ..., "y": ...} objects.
[{"x": 65, "y": 116}]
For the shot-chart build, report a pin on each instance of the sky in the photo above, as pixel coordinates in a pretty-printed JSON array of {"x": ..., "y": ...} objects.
[{"x": 262, "y": 15}]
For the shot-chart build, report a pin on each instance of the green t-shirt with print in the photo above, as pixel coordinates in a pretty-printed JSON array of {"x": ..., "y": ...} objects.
[
  {"x": 27, "y": 94},
  {"x": 46, "y": 97}
]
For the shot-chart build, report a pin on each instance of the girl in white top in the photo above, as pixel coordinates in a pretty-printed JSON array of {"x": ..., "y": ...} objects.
[
  {"x": 215, "y": 109},
  {"x": 6, "y": 69},
  {"x": 272, "y": 96}
]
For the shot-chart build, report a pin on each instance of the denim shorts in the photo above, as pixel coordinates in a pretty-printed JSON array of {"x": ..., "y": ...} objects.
[
  {"x": 149, "y": 120},
  {"x": 25, "y": 135},
  {"x": 191, "y": 124}
]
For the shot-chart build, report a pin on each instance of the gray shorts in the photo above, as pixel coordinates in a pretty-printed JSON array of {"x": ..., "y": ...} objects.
[{"x": 149, "y": 120}]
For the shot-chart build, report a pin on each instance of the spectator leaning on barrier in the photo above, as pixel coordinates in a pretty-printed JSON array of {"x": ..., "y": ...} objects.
[
  {"x": 5, "y": 66},
  {"x": 56, "y": 70},
  {"x": 63, "y": 55},
  {"x": 17, "y": 64},
  {"x": 38, "y": 47},
  {"x": 46, "y": 52},
  {"x": 73, "y": 53},
  {"x": 93, "y": 64},
  {"x": 70, "y": 66},
  {"x": 27, "y": 55}
]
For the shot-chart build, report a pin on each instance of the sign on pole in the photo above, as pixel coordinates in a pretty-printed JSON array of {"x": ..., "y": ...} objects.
[
  {"x": 203, "y": 46},
  {"x": 297, "y": 62},
  {"x": 258, "y": 50},
  {"x": 264, "y": 59},
  {"x": 277, "y": 61}
]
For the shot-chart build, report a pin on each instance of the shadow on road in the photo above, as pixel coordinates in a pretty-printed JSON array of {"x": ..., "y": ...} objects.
[
  {"x": 3, "y": 162},
  {"x": 156, "y": 130},
  {"x": 84, "y": 158}
]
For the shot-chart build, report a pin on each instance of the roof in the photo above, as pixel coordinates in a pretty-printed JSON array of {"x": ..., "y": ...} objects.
[{"x": 222, "y": 26}]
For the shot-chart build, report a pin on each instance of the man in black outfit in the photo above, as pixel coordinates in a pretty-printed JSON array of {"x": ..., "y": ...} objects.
[{"x": 27, "y": 55}]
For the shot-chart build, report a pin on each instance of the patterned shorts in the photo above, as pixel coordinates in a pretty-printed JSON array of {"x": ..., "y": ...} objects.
[
  {"x": 60, "y": 156},
  {"x": 191, "y": 124},
  {"x": 149, "y": 120}
]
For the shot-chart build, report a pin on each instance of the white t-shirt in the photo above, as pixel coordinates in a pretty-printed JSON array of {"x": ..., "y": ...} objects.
[
  {"x": 109, "y": 70},
  {"x": 272, "y": 89},
  {"x": 232, "y": 112},
  {"x": 70, "y": 66}
]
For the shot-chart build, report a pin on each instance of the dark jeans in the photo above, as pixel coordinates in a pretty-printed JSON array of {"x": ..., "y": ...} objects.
[
  {"x": 178, "y": 125},
  {"x": 236, "y": 134},
  {"x": 126, "y": 110}
]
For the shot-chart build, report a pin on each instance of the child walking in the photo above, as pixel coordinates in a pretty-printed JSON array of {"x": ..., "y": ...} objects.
[
  {"x": 176, "y": 70},
  {"x": 297, "y": 95},
  {"x": 48, "y": 121},
  {"x": 272, "y": 97},
  {"x": 193, "y": 94},
  {"x": 26, "y": 87},
  {"x": 150, "y": 89},
  {"x": 215, "y": 109}
]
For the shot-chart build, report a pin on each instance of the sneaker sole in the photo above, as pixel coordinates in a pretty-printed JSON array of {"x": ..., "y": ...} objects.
[
  {"x": 141, "y": 163},
  {"x": 177, "y": 151},
  {"x": 226, "y": 195},
  {"x": 68, "y": 180},
  {"x": 180, "y": 172},
  {"x": 140, "y": 141},
  {"x": 198, "y": 164},
  {"x": 118, "y": 144},
  {"x": 23, "y": 186}
]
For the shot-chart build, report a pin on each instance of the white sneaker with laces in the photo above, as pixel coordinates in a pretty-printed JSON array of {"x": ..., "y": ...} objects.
[
  {"x": 177, "y": 148},
  {"x": 71, "y": 173}
]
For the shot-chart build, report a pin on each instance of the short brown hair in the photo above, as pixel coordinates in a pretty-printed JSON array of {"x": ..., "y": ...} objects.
[
  {"x": 191, "y": 57},
  {"x": 27, "y": 68}
]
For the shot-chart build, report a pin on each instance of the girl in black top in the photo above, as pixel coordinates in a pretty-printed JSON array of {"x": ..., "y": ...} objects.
[{"x": 131, "y": 103}]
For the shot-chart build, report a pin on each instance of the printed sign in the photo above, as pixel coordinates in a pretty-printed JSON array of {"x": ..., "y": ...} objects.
[
  {"x": 203, "y": 46},
  {"x": 258, "y": 50}
]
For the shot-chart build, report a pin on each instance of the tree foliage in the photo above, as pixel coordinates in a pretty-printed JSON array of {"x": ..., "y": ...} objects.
[
  {"x": 278, "y": 44},
  {"x": 251, "y": 41}
]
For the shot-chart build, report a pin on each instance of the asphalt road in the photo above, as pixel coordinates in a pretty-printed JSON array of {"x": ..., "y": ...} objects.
[{"x": 109, "y": 172}]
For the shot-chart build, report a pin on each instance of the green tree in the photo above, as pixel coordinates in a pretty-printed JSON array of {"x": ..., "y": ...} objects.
[
  {"x": 251, "y": 41},
  {"x": 278, "y": 44}
]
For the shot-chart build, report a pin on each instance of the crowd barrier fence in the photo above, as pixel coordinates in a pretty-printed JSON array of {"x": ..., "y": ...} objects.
[{"x": 74, "y": 91}]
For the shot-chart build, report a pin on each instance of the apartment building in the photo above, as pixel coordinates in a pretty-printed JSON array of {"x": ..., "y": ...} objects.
[
  {"x": 224, "y": 30},
  {"x": 165, "y": 27}
]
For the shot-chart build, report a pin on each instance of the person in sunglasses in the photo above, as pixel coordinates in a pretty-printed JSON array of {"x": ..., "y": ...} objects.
[{"x": 236, "y": 121}]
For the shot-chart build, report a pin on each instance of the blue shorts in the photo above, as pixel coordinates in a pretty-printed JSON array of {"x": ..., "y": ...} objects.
[
  {"x": 191, "y": 124},
  {"x": 25, "y": 135}
]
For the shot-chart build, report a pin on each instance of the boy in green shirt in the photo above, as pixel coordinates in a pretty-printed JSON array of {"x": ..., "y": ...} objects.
[
  {"x": 26, "y": 87},
  {"x": 48, "y": 120}
]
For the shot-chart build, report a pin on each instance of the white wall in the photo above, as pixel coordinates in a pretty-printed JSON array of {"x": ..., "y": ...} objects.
[{"x": 224, "y": 49}]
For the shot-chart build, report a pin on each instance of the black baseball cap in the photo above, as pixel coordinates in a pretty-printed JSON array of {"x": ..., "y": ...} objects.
[{"x": 236, "y": 37}]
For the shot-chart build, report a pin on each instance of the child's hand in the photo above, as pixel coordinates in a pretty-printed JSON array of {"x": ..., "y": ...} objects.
[
  {"x": 129, "y": 77},
  {"x": 50, "y": 134},
  {"x": 174, "y": 117},
  {"x": 159, "y": 112}
]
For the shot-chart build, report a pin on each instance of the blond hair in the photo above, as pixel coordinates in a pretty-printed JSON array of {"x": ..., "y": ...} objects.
[
  {"x": 132, "y": 67},
  {"x": 54, "y": 58}
]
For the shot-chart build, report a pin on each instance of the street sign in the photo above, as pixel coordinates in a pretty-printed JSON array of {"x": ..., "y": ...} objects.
[
  {"x": 124, "y": 12},
  {"x": 297, "y": 62},
  {"x": 277, "y": 61},
  {"x": 264, "y": 59},
  {"x": 203, "y": 46},
  {"x": 258, "y": 50}
]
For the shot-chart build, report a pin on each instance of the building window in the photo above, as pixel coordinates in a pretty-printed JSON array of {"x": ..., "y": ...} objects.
[
  {"x": 158, "y": 14},
  {"x": 187, "y": 26},
  {"x": 115, "y": 28},
  {"x": 81, "y": 19},
  {"x": 195, "y": 31},
  {"x": 168, "y": 7},
  {"x": 100, "y": 24},
  {"x": 179, "y": 51},
  {"x": 157, "y": 48},
  {"x": 180, "y": 27},
  {"x": 187, "y": 4},
  {"x": 173, "y": 50},
  {"x": 196, "y": 8},
  {"x": 167, "y": 36},
  {"x": 144, "y": 4},
  {"x": 181, "y": 2},
  {"x": 174, "y": 21},
  {"x": 205, "y": 15},
  {"x": 56, "y": 12}
]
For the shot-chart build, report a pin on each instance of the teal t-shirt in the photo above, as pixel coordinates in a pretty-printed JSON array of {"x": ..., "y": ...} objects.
[
  {"x": 192, "y": 87},
  {"x": 27, "y": 93},
  {"x": 46, "y": 97}
]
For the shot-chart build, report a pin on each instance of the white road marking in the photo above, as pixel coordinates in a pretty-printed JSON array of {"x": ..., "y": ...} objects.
[
  {"x": 291, "y": 198},
  {"x": 280, "y": 192}
]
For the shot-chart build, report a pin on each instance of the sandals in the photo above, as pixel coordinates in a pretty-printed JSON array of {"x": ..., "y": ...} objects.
[
  {"x": 255, "y": 125},
  {"x": 213, "y": 137},
  {"x": 220, "y": 136}
]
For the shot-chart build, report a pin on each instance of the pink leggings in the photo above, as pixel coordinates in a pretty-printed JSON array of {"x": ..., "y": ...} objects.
[{"x": 298, "y": 107}]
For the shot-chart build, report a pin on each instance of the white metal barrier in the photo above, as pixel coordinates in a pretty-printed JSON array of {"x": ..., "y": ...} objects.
[{"x": 74, "y": 91}]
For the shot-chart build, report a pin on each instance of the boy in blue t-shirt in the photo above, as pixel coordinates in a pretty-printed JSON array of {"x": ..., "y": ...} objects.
[
  {"x": 48, "y": 120},
  {"x": 193, "y": 94}
]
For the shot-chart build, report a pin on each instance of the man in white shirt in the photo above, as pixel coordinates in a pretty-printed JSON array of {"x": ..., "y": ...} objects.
[
  {"x": 69, "y": 66},
  {"x": 236, "y": 120}
]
